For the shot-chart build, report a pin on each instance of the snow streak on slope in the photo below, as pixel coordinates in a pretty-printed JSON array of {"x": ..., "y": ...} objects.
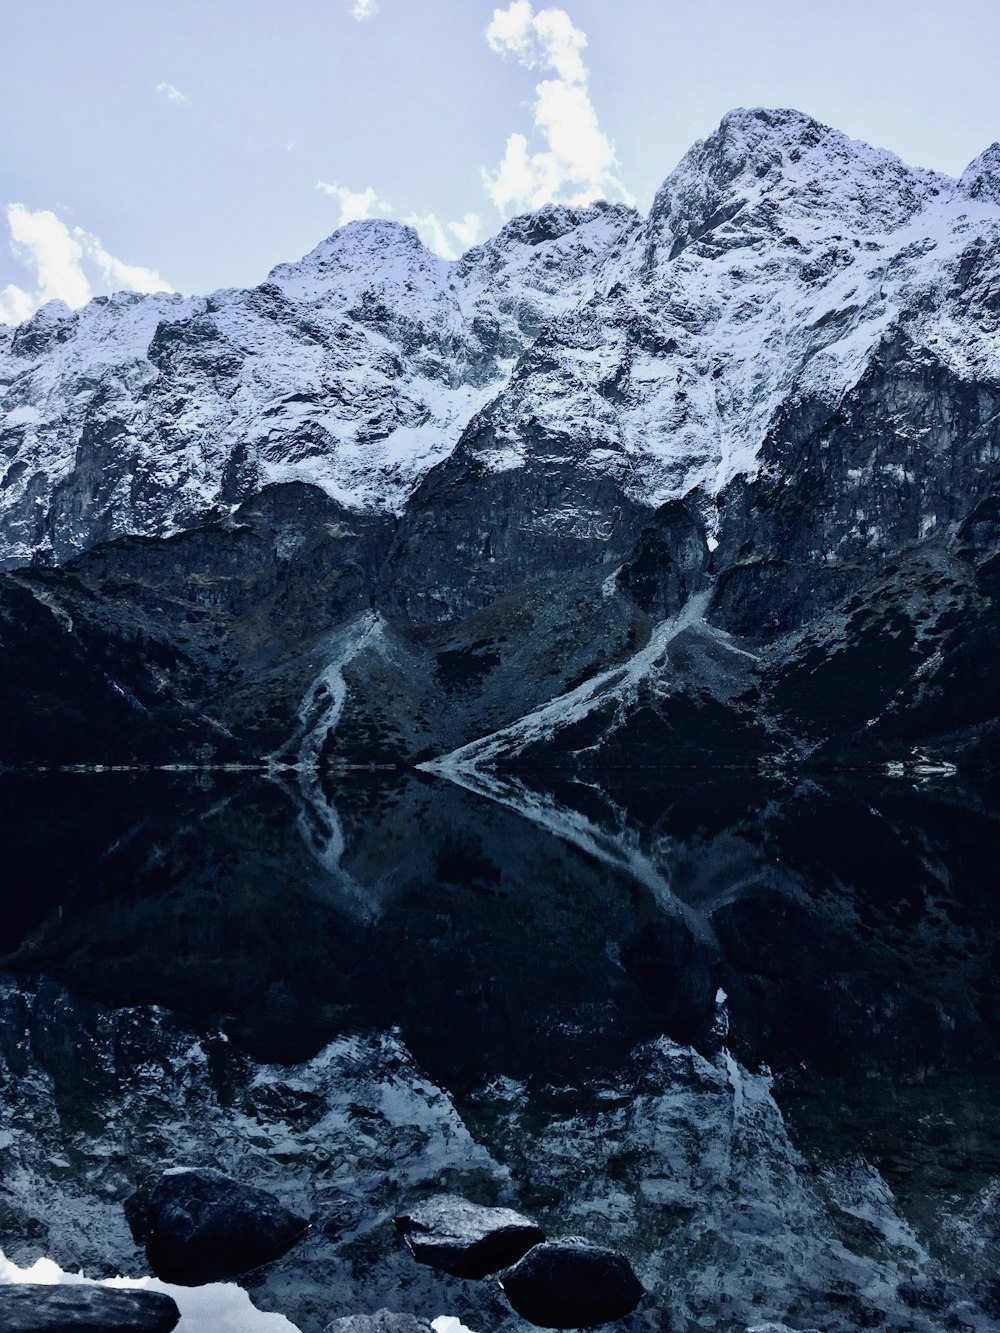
[
  {"x": 775, "y": 259},
  {"x": 617, "y": 687},
  {"x": 323, "y": 704},
  {"x": 318, "y": 715}
]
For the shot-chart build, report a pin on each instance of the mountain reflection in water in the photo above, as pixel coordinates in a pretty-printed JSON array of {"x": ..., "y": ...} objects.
[{"x": 523, "y": 942}]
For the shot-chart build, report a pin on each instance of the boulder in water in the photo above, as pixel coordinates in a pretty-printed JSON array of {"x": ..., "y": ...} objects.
[
  {"x": 570, "y": 1283},
  {"x": 200, "y": 1226},
  {"x": 466, "y": 1239}
]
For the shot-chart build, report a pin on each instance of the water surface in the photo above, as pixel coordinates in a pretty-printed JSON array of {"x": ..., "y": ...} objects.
[{"x": 744, "y": 1029}]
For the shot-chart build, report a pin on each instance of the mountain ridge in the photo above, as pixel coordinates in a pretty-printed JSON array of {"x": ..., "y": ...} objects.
[
  {"x": 779, "y": 392},
  {"x": 362, "y": 366}
]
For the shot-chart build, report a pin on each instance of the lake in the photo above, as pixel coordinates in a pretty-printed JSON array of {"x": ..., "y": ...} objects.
[{"x": 743, "y": 1029}]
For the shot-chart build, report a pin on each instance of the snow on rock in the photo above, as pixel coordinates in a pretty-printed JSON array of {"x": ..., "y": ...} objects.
[
  {"x": 775, "y": 259},
  {"x": 614, "y": 688},
  {"x": 347, "y": 1137},
  {"x": 981, "y": 178}
]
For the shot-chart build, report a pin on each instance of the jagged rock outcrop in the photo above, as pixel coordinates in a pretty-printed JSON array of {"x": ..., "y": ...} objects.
[{"x": 355, "y": 369}]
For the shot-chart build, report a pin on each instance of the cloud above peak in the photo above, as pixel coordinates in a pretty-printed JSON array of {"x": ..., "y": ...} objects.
[
  {"x": 546, "y": 39},
  {"x": 578, "y": 162},
  {"x": 363, "y": 9},
  {"x": 447, "y": 239},
  {"x": 355, "y": 205},
  {"x": 66, "y": 265}
]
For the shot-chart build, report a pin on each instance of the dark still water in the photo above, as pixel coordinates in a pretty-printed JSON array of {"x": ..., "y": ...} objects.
[{"x": 745, "y": 1031}]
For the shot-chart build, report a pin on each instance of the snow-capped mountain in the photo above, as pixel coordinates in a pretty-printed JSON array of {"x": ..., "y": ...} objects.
[
  {"x": 389, "y": 507},
  {"x": 356, "y": 369},
  {"x": 776, "y": 259}
]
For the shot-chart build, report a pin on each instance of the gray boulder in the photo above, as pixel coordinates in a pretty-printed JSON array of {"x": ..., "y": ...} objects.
[
  {"x": 466, "y": 1239},
  {"x": 30, "y": 1307}
]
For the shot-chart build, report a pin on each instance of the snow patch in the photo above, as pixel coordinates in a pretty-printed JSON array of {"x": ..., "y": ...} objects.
[{"x": 219, "y": 1307}]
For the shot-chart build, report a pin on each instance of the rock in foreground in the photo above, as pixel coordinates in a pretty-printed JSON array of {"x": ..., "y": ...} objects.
[
  {"x": 204, "y": 1227},
  {"x": 570, "y": 1283},
  {"x": 466, "y": 1239},
  {"x": 30, "y": 1307}
]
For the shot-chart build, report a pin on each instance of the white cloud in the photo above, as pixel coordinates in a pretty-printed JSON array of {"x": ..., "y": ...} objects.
[
  {"x": 117, "y": 275},
  {"x": 59, "y": 260},
  {"x": 355, "y": 204},
  {"x": 466, "y": 232},
  {"x": 435, "y": 234},
  {"x": 448, "y": 239},
  {"x": 513, "y": 29},
  {"x": 16, "y": 305},
  {"x": 578, "y": 162},
  {"x": 363, "y": 9},
  {"x": 44, "y": 243},
  {"x": 171, "y": 93}
]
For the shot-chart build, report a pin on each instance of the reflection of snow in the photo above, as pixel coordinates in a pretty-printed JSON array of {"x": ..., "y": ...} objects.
[
  {"x": 920, "y": 767},
  {"x": 318, "y": 715},
  {"x": 618, "y": 848},
  {"x": 618, "y": 686},
  {"x": 219, "y": 1307}
]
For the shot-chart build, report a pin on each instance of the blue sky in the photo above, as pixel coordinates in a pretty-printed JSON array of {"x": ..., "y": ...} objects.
[{"x": 196, "y": 143}]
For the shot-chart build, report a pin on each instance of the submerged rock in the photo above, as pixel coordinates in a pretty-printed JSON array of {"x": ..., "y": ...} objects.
[
  {"x": 31, "y": 1307},
  {"x": 203, "y": 1227},
  {"x": 570, "y": 1283},
  {"x": 779, "y": 1328},
  {"x": 466, "y": 1239},
  {"x": 382, "y": 1321}
]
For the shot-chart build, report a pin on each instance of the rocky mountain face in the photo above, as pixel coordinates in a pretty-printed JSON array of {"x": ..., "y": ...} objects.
[{"x": 715, "y": 485}]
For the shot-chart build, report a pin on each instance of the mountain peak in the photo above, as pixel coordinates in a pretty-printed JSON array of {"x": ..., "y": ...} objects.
[
  {"x": 552, "y": 221},
  {"x": 51, "y": 323},
  {"x": 754, "y": 143},
  {"x": 773, "y": 164},
  {"x": 354, "y": 240},
  {"x": 368, "y": 252},
  {"x": 758, "y": 126}
]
